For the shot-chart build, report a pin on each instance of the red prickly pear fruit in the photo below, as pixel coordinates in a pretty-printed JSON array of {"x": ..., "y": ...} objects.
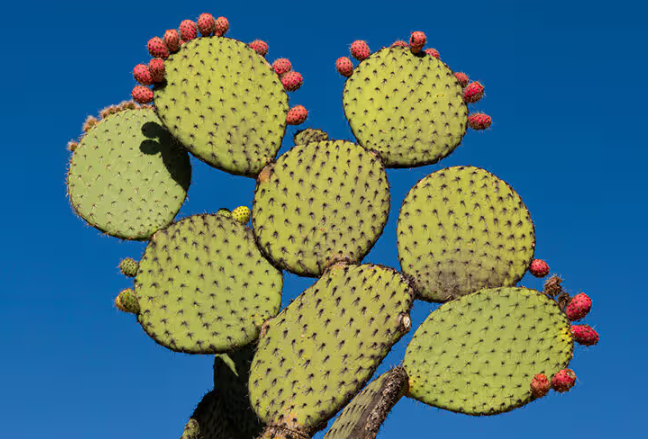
[
  {"x": 539, "y": 268},
  {"x": 462, "y": 78},
  {"x": 473, "y": 92},
  {"x": 578, "y": 307},
  {"x": 563, "y": 380},
  {"x": 222, "y": 25},
  {"x": 433, "y": 53},
  {"x": 142, "y": 95},
  {"x": 360, "y": 50},
  {"x": 156, "y": 67},
  {"x": 585, "y": 335},
  {"x": 399, "y": 43},
  {"x": 172, "y": 40},
  {"x": 417, "y": 41},
  {"x": 540, "y": 385},
  {"x": 479, "y": 121},
  {"x": 296, "y": 115},
  {"x": 182, "y": 42},
  {"x": 260, "y": 47},
  {"x": 188, "y": 30},
  {"x": 344, "y": 66},
  {"x": 206, "y": 24},
  {"x": 142, "y": 74},
  {"x": 281, "y": 66},
  {"x": 157, "y": 48},
  {"x": 292, "y": 81}
]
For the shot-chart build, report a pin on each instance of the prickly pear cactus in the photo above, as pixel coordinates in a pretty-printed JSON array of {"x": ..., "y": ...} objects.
[
  {"x": 462, "y": 229},
  {"x": 320, "y": 350},
  {"x": 204, "y": 287},
  {"x": 128, "y": 177},
  {"x": 478, "y": 354},
  {"x": 209, "y": 284}
]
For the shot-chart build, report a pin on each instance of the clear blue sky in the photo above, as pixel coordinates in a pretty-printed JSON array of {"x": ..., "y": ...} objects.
[{"x": 564, "y": 84}]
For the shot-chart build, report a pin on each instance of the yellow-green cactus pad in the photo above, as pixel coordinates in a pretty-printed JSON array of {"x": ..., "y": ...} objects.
[
  {"x": 309, "y": 135},
  {"x": 409, "y": 108},
  {"x": 365, "y": 414},
  {"x": 204, "y": 287},
  {"x": 224, "y": 104},
  {"x": 478, "y": 354},
  {"x": 462, "y": 229},
  {"x": 128, "y": 177},
  {"x": 321, "y": 350},
  {"x": 320, "y": 203}
]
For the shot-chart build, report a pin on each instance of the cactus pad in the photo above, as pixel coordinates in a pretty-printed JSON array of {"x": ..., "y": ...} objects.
[
  {"x": 128, "y": 177},
  {"x": 462, "y": 229},
  {"x": 204, "y": 287},
  {"x": 320, "y": 203},
  {"x": 478, "y": 354},
  {"x": 365, "y": 414},
  {"x": 208, "y": 421},
  {"x": 407, "y": 107},
  {"x": 309, "y": 135},
  {"x": 231, "y": 376},
  {"x": 321, "y": 349},
  {"x": 224, "y": 103}
]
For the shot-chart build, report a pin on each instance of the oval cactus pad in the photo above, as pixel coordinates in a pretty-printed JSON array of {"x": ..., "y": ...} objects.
[
  {"x": 462, "y": 229},
  {"x": 478, "y": 354},
  {"x": 204, "y": 287},
  {"x": 321, "y": 350},
  {"x": 364, "y": 415},
  {"x": 407, "y": 107},
  {"x": 128, "y": 177},
  {"x": 224, "y": 103},
  {"x": 320, "y": 203}
]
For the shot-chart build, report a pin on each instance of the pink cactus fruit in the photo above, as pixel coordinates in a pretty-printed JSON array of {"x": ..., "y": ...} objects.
[
  {"x": 360, "y": 50},
  {"x": 260, "y": 47},
  {"x": 182, "y": 42},
  {"x": 585, "y": 335},
  {"x": 563, "y": 380},
  {"x": 188, "y": 30},
  {"x": 157, "y": 48},
  {"x": 578, "y": 307},
  {"x": 172, "y": 40},
  {"x": 540, "y": 385},
  {"x": 399, "y": 43},
  {"x": 417, "y": 41},
  {"x": 142, "y": 74},
  {"x": 539, "y": 268},
  {"x": 281, "y": 66},
  {"x": 473, "y": 92},
  {"x": 206, "y": 24},
  {"x": 292, "y": 81},
  {"x": 479, "y": 121},
  {"x": 142, "y": 95},
  {"x": 462, "y": 78},
  {"x": 433, "y": 53},
  {"x": 222, "y": 26},
  {"x": 156, "y": 67},
  {"x": 296, "y": 115},
  {"x": 344, "y": 66}
]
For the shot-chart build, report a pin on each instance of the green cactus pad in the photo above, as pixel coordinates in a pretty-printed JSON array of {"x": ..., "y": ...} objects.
[
  {"x": 321, "y": 350},
  {"x": 365, "y": 414},
  {"x": 320, "y": 203},
  {"x": 309, "y": 135},
  {"x": 204, "y": 287},
  {"x": 462, "y": 229},
  {"x": 128, "y": 177},
  {"x": 407, "y": 107},
  {"x": 231, "y": 376},
  {"x": 478, "y": 354},
  {"x": 208, "y": 420},
  {"x": 224, "y": 104}
]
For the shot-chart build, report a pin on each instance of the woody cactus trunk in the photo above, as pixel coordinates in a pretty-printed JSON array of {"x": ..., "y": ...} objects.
[{"x": 211, "y": 283}]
